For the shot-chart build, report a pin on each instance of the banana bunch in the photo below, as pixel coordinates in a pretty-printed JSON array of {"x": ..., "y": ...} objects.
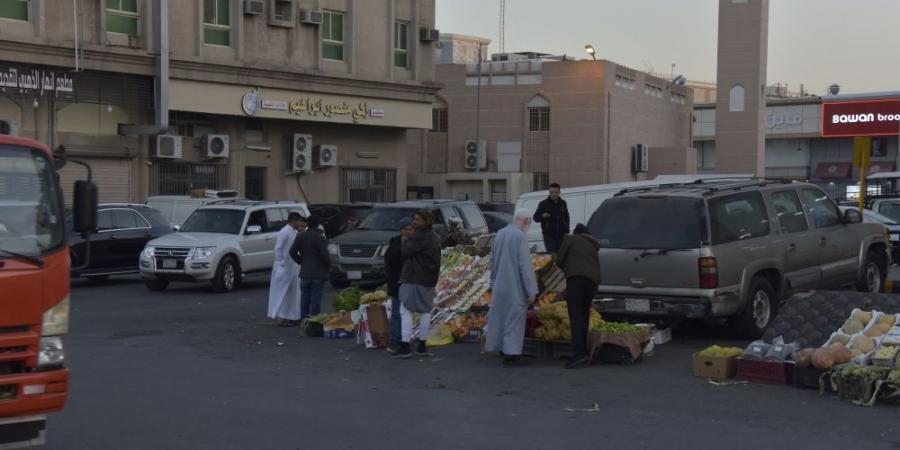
[{"x": 373, "y": 297}]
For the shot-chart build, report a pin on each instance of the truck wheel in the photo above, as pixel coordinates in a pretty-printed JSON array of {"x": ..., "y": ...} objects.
[
  {"x": 156, "y": 285},
  {"x": 759, "y": 310},
  {"x": 227, "y": 275},
  {"x": 340, "y": 284},
  {"x": 873, "y": 276}
]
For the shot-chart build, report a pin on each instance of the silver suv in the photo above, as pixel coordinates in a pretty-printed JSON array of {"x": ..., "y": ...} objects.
[
  {"x": 220, "y": 242},
  {"x": 730, "y": 249}
]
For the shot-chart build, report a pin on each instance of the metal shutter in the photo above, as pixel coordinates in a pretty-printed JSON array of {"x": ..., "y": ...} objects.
[{"x": 113, "y": 177}]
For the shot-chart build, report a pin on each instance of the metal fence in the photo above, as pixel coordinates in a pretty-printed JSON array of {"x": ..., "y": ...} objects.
[
  {"x": 368, "y": 185},
  {"x": 180, "y": 178}
]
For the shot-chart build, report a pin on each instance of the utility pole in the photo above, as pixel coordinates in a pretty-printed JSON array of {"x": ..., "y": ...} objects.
[
  {"x": 478, "y": 108},
  {"x": 502, "y": 40}
]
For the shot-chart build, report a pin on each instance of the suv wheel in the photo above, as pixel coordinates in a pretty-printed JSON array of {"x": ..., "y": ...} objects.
[
  {"x": 156, "y": 285},
  {"x": 874, "y": 273},
  {"x": 760, "y": 308},
  {"x": 227, "y": 275}
]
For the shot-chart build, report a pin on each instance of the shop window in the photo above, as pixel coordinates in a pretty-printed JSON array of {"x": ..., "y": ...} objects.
[
  {"x": 539, "y": 114},
  {"x": 217, "y": 22},
  {"x": 736, "y": 99},
  {"x": 401, "y": 44},
  {"x": 15, "y": 9},
  {"x": 333, "y": 35},
  {"x": 122, "y": 16},
  {"x": 180, "y": 178}
]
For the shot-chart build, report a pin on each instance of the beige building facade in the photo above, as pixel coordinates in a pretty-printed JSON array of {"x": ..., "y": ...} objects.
[
  {"x": 355, "y": 76},
  {"x": 548, "y": 120}
]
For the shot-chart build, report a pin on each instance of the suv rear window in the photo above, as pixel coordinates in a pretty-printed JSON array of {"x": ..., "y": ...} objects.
[
  {"x": 649, "y": 222},
  {"x": 738, "y": 217}
]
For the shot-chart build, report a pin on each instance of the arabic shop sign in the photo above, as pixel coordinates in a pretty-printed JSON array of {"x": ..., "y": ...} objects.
[
  {"x": 358, "y": 112},
  {"x": 36, "y": 81},
  {"x": 861, "y": 118}
]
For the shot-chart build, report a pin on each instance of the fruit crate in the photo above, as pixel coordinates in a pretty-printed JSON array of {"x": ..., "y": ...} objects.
[
  {"x": 767, "y": 372},
  {"x": 810, "y": 378},
  {"x": 547, "y": 349},
  {"x": 614, "y": 354}
]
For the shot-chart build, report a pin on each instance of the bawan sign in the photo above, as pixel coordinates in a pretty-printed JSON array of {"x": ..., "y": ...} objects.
[{"x": 861, "y": 118}]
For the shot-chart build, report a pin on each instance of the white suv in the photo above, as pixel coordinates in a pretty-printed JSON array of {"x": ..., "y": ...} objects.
[{"x": 220, "y": 242}]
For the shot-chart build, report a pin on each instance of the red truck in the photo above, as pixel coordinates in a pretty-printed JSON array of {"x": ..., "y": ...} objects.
[{"x": 34, "y": 286}]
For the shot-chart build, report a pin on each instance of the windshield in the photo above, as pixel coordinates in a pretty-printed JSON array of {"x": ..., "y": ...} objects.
[
  {"x": 665, "y": 223},
  {"x": 891, "y": 210},
  {"x": 226, "y": 221},
  {"x": 386, "y": 219},
  {"x": 31, "y": 218}
]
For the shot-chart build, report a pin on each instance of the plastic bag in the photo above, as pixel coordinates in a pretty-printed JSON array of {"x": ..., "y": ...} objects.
[
  {"x": 782, "y": 352},
  {"x": 756, "y": 350},
  {"x": 440, "y": 336}
]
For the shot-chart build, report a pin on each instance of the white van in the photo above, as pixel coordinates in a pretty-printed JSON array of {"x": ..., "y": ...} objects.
[
  {"x": 177, "y": 208},
  {"x": 583, "y": 201}
]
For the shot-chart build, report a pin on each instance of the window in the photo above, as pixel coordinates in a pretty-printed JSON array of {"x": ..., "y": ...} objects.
[
  {"x": 283, "y": 12},
  {"x": 539, "y": 119},
  {"x": 736, "y": 99},
  {"x": 821, "y": 209},
  {"x": 540, "y": 181},
  {"x": 277, "y": 218},
  {"x": 368, "y": 185},
  {"x": 104, "y": 220},
  {"x": 473, "y": 216},
  {"x": 738, "y": 217},
  {"x": 333, "y": 35},
  {"x": 126, "y": 218},
  {"x": 122, "y": 16},
  {"x": 401, "y": 44},
  {"x": 14, "y": 9},
  {"x": 658, "y": 222},
  {"x": 217, "y": 22},
  {"x": 253, "y": 130},
  {"x": 180, "y": 178},
  {"x": 258, "y": 218},
  {"x": 439, "y": 120},
  {"x": 789, "y": 211}
]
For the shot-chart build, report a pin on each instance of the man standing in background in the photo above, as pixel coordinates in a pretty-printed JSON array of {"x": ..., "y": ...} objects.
[
  {"x": 421, "y": 266},
  {"x": 310, "y": 251},
  {"x": 553, "y": 215},
  {"x": 284, "y": 289},
  {"x": 393, "y": 266},
  {"x": 514, "y": 288}
]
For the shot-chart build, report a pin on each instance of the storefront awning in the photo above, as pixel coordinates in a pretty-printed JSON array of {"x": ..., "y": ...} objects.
[
  {"x": 881, "y": 166},
  {"x": 833, "y": 170}
]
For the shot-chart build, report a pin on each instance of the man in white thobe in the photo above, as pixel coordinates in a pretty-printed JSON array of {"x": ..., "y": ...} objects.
[
  {"x": 514, "y": 288},
  {"x": 284, "y": 289}
]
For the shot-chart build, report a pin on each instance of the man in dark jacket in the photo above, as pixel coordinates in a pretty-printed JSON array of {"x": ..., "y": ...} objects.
[
  {"x": 310, "y": 251},
  {"x": 421, "y": 264},
  {"x": 393, "y": 265},
  {"x": 579, "y": 259},
  {"x": 553, "y": 215}
]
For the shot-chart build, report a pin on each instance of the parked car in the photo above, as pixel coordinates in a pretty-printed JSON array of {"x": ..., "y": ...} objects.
[
  {"x": 893, "y": 229},
  {"x": 220, "y": 242},
  {"x": 731, "y": 249},
  {"x": 177, "y": 208},
  {"x": 497, "y": 220},
  {"x": 583, "y": 201},
  {"x": 508, "y": 208},
  {"x": 358, "y": 256},
  {"x": 339, "y": 218},
  {"x": 122, "y": 231}
]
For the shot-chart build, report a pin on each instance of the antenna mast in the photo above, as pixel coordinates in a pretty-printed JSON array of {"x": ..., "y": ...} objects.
[{"x": 502, "y": 42}]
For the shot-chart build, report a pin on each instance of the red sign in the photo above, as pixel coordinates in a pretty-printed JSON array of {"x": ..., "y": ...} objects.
[{"x": 861, "y": 118}]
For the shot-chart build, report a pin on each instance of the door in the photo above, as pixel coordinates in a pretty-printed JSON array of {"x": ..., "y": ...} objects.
[
  {"x": 113, "y": 177},
  {"x": 258, "y": 247},
  {"x": 836, "y": 249},
  {"x": 799, "y": 246},
  {"x": 101, "y": 257},
  {"x": 255, "y": 183},
  {"x": 133, "y": 232}
]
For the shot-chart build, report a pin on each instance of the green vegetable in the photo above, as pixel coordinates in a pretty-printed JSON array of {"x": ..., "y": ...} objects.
[
  {"x": 347, "y": 300},
  {"x": 615, "y": 327},
  {"x": 321, "y": 318}
]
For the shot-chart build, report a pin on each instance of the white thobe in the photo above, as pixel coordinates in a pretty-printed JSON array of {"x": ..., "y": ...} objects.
[{"x": 284, "y": 289}]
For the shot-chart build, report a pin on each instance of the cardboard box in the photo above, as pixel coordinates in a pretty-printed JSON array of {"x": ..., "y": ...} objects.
[
  {"x": 716, "y": 368},
  {"x": 660, "y": 337}
]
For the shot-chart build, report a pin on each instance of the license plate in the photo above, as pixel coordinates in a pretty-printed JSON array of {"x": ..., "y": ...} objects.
[
  {"x": 637, "y": 304},
  {"x": 354, "y": 275},
  {"x": 170, "y": 264}
]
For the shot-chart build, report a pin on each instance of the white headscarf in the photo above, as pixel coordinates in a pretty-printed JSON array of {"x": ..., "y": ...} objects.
[{"x": 522, "y": 219}]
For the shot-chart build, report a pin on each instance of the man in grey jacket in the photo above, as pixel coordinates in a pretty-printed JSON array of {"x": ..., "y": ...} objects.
[
  {"x": 421, "y": 256},
  {"x": 310, "y": 251}
]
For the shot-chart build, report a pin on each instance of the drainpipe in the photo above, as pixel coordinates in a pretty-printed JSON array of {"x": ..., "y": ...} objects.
[
  {"x": 162, "y": 66},
  {"x": 75, "y": 23}
]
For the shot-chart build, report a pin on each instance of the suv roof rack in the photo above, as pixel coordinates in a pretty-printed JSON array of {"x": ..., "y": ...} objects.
[
  {"x": 709, "y": 186},
  {"x": 252, "y": 202}
]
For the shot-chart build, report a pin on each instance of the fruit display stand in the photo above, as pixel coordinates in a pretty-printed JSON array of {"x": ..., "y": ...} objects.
[
  {"x": 717, "y": 363},
  {"x": 621, "y": 347}
]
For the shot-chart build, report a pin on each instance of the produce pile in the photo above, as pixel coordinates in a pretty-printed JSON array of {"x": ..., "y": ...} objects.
[
  {"x": 463, "y": 280},
  {"x": 461, "y": 326},
  {"x": 549, "y": 298},
  {"x": 866, "y": 337},
  {"x": 347, "y": 300},
  {"x": 555, "y": 324},
  {"x": 614, "y": 327},
  {"x": 372, "y": 298},
  {"x": 716, "y": 351}
]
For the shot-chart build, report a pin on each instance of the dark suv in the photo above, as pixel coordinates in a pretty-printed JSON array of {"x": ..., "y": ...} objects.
[
  {"x": 122, "y": 231},
  {"x": 340, "y": 218},
  {"x": 358, "y": 256}
]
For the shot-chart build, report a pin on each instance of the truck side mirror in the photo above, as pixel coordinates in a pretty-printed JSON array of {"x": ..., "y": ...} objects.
[
  {"x": 852, "y": 216},
  {"x": 84, "y": 207},
  {"x": 253, "y": 229}
]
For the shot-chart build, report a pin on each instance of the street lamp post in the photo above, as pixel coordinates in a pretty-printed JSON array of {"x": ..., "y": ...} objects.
[{"x": 590, "y": 51}]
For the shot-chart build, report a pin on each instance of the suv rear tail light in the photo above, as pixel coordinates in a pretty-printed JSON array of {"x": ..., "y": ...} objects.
[{"x": 709, "y": 273}]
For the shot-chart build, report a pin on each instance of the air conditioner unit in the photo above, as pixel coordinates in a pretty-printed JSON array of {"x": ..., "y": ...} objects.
[
  {"x": 475, "y": 155},
  {"x": 640, "y": 159},
  {"x": 429, "y": 35},
  {"x": 309, "y": 17},
  {"x": 216, "y": 145},
  {"x": 325, "y": 155},
  {"x": 254, "y": 7},
  {"x": 167, "y": 147},
  {"x": 301, "y": 154},
  {"x": 9, "y": 127}
]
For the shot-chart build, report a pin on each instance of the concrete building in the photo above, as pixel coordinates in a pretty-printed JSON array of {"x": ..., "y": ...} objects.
[
  {"x": 543, "y": 120},
  {"x": 246, "y": 76},
  {"x": 462, "y": 49}
]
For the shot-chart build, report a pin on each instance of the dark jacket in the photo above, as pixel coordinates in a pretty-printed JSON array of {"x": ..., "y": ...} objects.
[
  {"x": 393, "y": 265},
  {"x": 310, "y": 251},
  {"x": 558, "y": 223},
  {"x": 421, "y": 259},
  {"x": 578, "y": 257}
]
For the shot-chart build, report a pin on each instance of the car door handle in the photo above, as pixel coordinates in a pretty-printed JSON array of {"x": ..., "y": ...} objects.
[
  {"x": 823, "y": 240},
  {"x": 792, "y": 247},
  {"x": 113, "y": 237},
  {"x": 269, "y": 238}
]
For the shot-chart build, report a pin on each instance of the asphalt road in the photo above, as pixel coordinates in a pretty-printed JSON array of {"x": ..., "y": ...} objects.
[{"x": 190, "y": 369}]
